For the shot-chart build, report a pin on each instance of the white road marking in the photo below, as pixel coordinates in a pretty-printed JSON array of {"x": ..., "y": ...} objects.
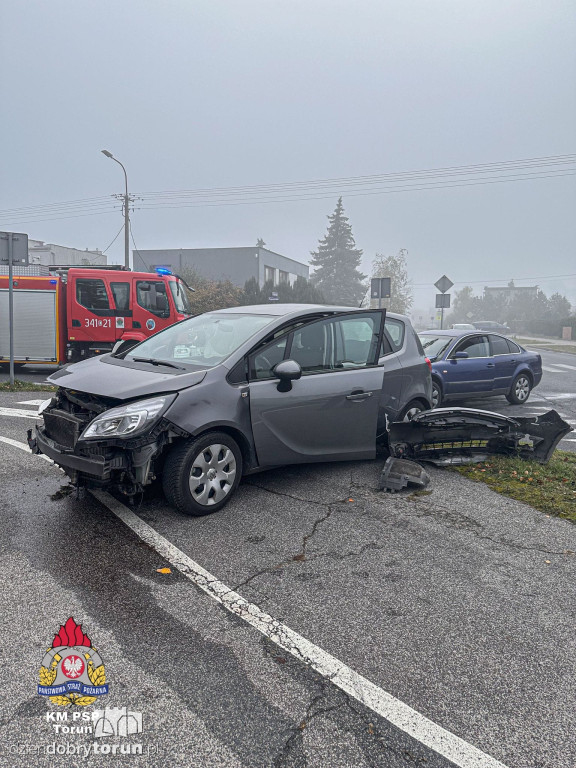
[
  {"x": 31, "y": 402},
  {"x": 24, "y": 447},
  {"x": 18, "y": 413},
  {"x": 419, "y": 727},
  {"x": 548, "y": 369},
  {"x": 568, "y": 440},
  {"x": 565, "y": 365}
]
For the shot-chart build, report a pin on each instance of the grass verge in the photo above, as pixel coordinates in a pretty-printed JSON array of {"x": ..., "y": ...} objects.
[
  {"x": 551, "y": 487},
  {"x": 548, "y": 346},
  {"x": 25, "y": 386}
]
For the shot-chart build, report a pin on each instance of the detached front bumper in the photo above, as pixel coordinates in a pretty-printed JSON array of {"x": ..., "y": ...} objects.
[
  {"x": 447, "y": 436},
  {"x": 96, "y": 466}
]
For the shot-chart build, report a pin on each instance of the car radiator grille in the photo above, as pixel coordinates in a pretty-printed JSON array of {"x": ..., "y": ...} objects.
[{"x": 62, "y": 427}]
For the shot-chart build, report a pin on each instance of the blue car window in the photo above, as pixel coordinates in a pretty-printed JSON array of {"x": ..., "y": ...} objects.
[
  {"x": 513, "y": 349},
  {"x": 499, "y": 345},
  {"x": 434, "y": 345},
  {"x": 475, "y": 346}
]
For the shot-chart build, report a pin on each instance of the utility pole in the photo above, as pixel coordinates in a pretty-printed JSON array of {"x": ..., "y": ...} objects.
[{"x": 126, "y": 210}]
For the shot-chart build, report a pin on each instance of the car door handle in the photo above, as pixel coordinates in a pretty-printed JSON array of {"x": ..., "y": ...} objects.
[
  {"x": 491, "y": 365},
  {"x": 358, "y": 395}
]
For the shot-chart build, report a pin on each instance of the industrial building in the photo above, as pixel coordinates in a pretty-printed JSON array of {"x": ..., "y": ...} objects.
[{"x": 235, "y": 264}]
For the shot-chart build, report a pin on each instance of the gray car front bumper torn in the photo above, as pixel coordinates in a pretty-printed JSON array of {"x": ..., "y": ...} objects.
[{"x": 449, "y": 436}]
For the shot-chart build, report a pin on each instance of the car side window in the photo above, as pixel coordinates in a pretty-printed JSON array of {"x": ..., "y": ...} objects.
[
  {"x": 262, "y": 361},
  {"x": 513, "y": 349},
  {"x": 475, "y": 346},
  {"x": 393, "y": 336},
  {"x": 499, "y": 345},
  {"x": 312, "y": 347}
]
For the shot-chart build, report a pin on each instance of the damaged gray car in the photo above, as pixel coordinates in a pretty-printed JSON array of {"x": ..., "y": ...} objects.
[{"x": 228, "y": 393}]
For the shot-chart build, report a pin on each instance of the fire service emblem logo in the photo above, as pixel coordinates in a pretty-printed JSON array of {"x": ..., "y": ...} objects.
[{"x": 72, "y": 671}]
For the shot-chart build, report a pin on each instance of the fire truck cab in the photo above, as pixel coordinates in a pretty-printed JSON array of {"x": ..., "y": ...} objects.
[
  {"x": 80, "y": 312},
  {"x": 104, "y": 307}
]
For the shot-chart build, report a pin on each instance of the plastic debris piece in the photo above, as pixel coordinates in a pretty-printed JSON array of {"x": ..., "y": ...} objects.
[{"x": 399, "y": 473}]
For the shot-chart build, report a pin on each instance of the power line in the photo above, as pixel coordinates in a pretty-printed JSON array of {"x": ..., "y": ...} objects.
[
  {"x": 315, "y": 189},
  {"x": 115, "y": 238},
  {"x": 385, "y": 191}
]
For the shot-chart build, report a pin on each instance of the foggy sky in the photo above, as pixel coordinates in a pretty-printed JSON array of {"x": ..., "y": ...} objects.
[{"x": 217, "y": 93}]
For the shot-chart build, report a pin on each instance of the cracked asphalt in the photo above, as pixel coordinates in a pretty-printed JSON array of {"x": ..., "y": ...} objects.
[{"x": 459, "y": 602}]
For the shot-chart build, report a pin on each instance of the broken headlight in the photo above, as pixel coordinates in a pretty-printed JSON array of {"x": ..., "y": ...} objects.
[{"x": 127, "y": 420}]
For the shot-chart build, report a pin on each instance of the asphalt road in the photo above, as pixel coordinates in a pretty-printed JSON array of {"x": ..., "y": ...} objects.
[{"x": 458, "y": 604}]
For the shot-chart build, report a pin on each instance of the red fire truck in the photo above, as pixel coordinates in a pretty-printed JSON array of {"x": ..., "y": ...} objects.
[{"x": 79, "y": 312}]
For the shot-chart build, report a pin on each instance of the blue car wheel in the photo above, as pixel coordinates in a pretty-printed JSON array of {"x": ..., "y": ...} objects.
[
  {"x": 520, "y": 389},
  {"x": 436, "y": 394}
]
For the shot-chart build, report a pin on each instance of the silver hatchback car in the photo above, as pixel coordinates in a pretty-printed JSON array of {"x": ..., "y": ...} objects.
[{"x": 233, "y": 392}]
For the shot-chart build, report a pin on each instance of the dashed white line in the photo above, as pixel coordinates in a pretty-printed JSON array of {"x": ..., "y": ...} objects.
[
  {"x": 31, "y": 402},
  {"x": 565, "y": 365},
  {"x": 19, "y": 413},
  {"x": 548, "y": 369},
  {"x": 23, "y": 447},
  {"x": 403, "y": 717}
]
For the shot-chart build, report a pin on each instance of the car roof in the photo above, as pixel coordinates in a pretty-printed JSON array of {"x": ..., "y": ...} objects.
[
  {"x": 447, "y": 332},
  {"x": 458, "y": 334},
  {"x": 287, "y": 310}
]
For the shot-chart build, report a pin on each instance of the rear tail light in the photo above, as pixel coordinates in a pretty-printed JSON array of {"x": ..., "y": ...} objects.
[{"x": 429, "y": 364}]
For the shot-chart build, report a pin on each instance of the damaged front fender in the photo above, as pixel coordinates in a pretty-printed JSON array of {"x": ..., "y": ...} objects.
[{"x": 448, "y": 436}]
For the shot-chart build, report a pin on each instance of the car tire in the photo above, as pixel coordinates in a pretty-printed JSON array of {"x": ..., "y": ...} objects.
[
  {"x": 195, "y": 478},
  {"x": 412, "y": 409},
  {"x": 520, "y": 389},
  {"x": 436, "y": 394}
]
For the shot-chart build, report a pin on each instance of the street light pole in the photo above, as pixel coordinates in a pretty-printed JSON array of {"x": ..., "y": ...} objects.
[{"x": 126, "y": 210}]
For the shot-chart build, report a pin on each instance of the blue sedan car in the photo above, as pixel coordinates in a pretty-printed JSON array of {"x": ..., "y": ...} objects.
[{"x": 467, "y": 364}]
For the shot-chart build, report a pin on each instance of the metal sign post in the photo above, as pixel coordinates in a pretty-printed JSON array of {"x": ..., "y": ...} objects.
[
  {"x": 13, "y": 250},
  {"x": 443, "y": 284}
]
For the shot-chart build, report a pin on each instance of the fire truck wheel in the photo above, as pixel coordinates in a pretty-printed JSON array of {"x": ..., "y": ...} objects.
[{"x": 201, "y": 474}]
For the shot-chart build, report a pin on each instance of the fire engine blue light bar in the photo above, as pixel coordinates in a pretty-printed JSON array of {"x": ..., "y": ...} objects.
[{"x": 163, "y": 271}]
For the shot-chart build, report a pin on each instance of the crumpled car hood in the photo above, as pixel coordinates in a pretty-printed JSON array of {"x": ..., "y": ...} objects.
[
  {"x": 447, "y": 436},
  {"x": 123, "y": 382}
]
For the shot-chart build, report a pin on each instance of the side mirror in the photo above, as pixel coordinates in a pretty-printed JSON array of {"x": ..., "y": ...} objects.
[
  {"x": 287, "y": 371},
  {"x": 460, "y": 355},
  {"x": 123, "y": 345}
]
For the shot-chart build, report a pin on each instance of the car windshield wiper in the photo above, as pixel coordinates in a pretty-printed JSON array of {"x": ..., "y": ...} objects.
[{"x": 153, "y": 361}]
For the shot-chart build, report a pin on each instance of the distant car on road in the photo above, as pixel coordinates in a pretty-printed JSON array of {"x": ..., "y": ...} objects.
[
  {"x": 463, "y": 327},
  {"x": 466, "y": 364},
  {"x": 229, "y": 393},
  {"x": 491, "y": 325}
]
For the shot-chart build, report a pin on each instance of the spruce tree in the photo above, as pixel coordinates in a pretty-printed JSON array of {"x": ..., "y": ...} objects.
[{"x": 336, "y": 263}]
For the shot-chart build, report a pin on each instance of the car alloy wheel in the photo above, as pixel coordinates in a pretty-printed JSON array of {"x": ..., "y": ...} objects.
[
  {"x": 520, "y": 390},
  {"x": 436, "y": 395},
  {"x": 201, "y": 474}
]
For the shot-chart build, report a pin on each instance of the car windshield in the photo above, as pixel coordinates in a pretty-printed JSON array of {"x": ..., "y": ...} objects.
[
  {"x": 434, "y": 344},
  {"x": 180, "y": 298},
  {"x": 205, "y": 340}
]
